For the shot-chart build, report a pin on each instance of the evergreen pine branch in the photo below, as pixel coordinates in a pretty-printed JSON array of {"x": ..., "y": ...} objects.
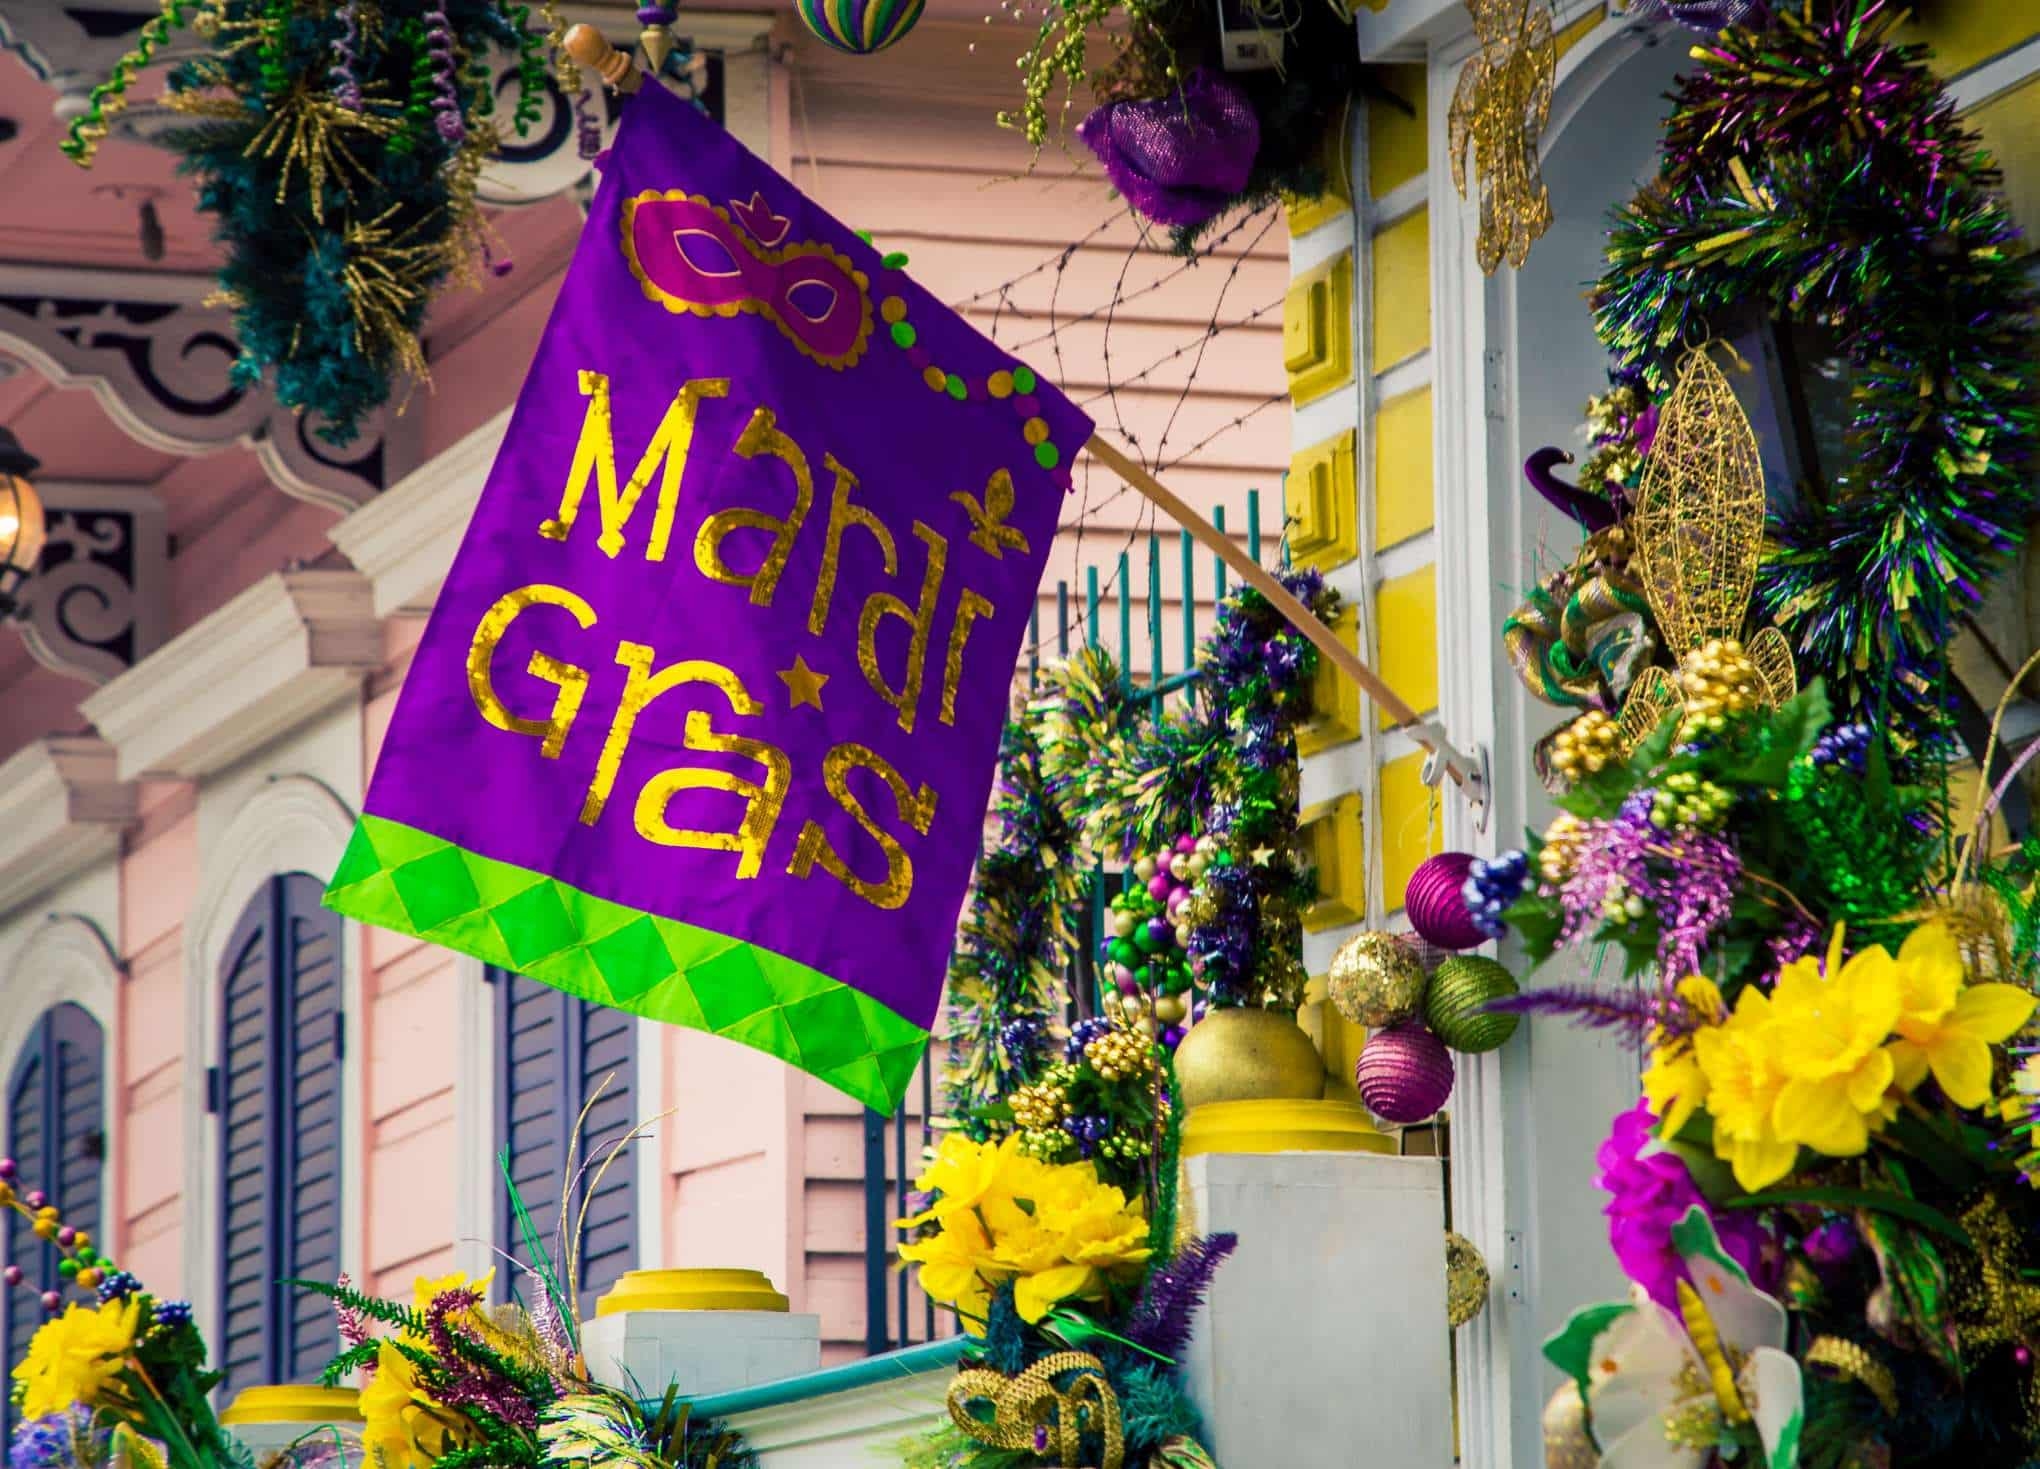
[
  {"x": 353, "y": 1359},
  {"x": 376, "y": 1308}
]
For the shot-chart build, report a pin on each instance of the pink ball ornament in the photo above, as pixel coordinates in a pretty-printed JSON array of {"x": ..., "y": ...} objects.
[
  {"x": 1176, "y": 900},
  {"x": 8, "y": 1168},
  {"x": 67, "y": 1236},
  {"x": 1186, "y": 844},
  {"x": 52, "y": 1301},
  {"x": 1159, "y": 885},
  {"x": 36, "y": 1198},
  {"x": 1405, "y": 1073},
  {"x": 1433, "y": 901},
  {"x": 12, "y": 1275}
]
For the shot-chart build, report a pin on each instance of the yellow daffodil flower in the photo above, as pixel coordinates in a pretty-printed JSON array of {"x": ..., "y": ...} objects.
[
  {"x": 1832, "y": 1021},
  {"x": 1675, "y": 1085},
  {"x": 1946, "y": 1027},
  {"x": 1058, "y": 1233},
  {"x": 403, "y": 1427},
  {"x": 72, "y": 1358},
  {"x": 1744, "y": 1080},
  {"x": 965, "y": 1174}
]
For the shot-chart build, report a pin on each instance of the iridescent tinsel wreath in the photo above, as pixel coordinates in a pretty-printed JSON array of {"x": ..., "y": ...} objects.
[{"x": 1815, "y": 170}]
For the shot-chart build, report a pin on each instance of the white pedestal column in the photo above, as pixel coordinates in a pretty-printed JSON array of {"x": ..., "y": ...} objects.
[
  {"x": 703, "y": 1331},
  {"x": 1324, "y": 1341}
]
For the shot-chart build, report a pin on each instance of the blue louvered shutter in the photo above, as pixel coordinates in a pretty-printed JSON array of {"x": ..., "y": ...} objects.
[
  {"x": 56, "y": 1132},
  {"x": 552, "y": 1053},
  {"x": 278, "y": 1095}
]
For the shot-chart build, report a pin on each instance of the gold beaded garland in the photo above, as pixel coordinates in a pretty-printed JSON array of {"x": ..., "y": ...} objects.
[
  {"x": 1375, "y": 980},
  {"x": 1718, "y": 682}
]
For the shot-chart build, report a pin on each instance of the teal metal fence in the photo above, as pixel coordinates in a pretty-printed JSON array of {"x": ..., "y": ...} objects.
[{"x": 893, "y": 1145}]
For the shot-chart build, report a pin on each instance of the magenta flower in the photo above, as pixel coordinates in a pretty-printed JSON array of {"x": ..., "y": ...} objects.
[{"x": 1649, "y": 1191}]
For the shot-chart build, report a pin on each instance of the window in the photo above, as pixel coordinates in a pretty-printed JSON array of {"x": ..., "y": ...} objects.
[
  {"x": 55, "y": 1122},
  {"x": 552, "y": 1053},
  {"x": 276, "y": 1091}
]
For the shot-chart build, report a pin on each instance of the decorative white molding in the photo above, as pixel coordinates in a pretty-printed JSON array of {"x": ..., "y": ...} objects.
[
  {"x": 99, "y": 601},
  {"x": 287, "y": 647},
  {"x": 67, "y": 958},
  {"x": 294, "y": 823},
  {"x": 404, "y": 539},
  {"x": 160, "y": 368},
  {"x": 478, "y": 1185},
  {"x": 860, "y": 1426},
  {"x": 62, "y": 808}
]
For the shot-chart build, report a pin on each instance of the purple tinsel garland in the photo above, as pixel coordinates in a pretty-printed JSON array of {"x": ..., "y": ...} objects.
[
  {"x": 446, "y": 101},
  {"x": 345, "y": 73},
  {"x": 1163, "y": 1318},
  {"x": 472, "y": 1384}
]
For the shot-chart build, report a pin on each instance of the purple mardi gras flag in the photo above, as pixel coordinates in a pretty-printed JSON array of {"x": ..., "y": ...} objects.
[{"x": 705, "y": 718}]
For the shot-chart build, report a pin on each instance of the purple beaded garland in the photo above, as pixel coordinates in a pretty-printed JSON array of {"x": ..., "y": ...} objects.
[
  {"x": 1404, "y": 1074},
  {"x": 1433, "y": 901}
]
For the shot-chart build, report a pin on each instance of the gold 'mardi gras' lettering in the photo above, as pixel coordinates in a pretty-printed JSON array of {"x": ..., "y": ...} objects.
[{"x": 644, "y": 681}]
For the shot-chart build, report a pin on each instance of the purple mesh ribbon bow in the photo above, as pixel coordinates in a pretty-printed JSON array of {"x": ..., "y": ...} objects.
[{"x": 1178, "y": 160}]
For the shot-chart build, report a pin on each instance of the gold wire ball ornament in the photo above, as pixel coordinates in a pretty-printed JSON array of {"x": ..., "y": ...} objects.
[
  {"x": 1375, "y": 980},
  {"x": 1028, "y": 1412},
  {"x": 1500, "y": 107},
  {"x": 1466, "y": 1280},
  {"x": 1698, "y": 531}
]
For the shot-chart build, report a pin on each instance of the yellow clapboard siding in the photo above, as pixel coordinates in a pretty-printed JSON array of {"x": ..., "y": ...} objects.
[
  {"x": 1396, "y": 140},
  {"x": 1965, "y": 33},
  {"x": 1306, "y": 215},
  {"x": 1402, "y": 468},
  {"x": 1335, "y": 698},
  {"x": 2010, "y": 124},
  {"x": 1406, "y": 611},
  {"x": 1402, "y": 291},
  {"x": 1409, "y": 828},
  {"x": 1335, "y": 834}
]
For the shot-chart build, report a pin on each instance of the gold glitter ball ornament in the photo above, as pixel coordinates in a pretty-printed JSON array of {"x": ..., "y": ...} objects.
[
  {"x": 1566, "y": 1445},
  {"x": 1375, "y": 980},
  {"x": 1466, "y": 1280}
]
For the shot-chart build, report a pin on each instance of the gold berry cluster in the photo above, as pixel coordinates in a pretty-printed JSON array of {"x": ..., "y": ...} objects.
[
  {"x": 1562, "y": 842},
  {"x": 1586, "y": 746},
  {"x": 1040, "y": 1106},
  {"x": 1686, "y": 800},
  {"x": 1120, "y": 1052},
  {"x": 1718, "y": 682}
]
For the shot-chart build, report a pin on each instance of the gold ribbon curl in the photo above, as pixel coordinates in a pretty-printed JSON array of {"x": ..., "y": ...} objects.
[{"x": 1030, "y": 1404}]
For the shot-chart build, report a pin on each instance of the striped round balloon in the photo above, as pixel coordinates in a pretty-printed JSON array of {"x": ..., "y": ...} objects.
[{"x": 860, "y": 26}]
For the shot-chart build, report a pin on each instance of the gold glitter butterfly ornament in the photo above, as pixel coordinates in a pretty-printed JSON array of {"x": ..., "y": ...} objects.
[
  {"x": 1698, "y": 531},
  {"x": 1500, "y": 107}
]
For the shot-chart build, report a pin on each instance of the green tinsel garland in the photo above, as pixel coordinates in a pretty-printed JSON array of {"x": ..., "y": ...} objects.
[
  {"x": 1816, "y": 171},
  {"x": 338, "y": 147}
]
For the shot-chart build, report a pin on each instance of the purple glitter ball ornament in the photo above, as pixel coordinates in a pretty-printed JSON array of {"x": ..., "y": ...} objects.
[
  {"x": 1180, "y": 159},
  {"x": 1433, "y": 901},
  {"x": 1405, "y": 1073}
]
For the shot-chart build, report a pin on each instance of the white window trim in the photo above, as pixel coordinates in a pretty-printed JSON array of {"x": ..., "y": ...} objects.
[
  {"x": 66, "y": 958},
  {"x": 294, "y": 823}
]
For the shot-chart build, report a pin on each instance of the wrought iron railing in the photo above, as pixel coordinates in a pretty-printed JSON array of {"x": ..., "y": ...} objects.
[{"x": 897, "y": 1314}]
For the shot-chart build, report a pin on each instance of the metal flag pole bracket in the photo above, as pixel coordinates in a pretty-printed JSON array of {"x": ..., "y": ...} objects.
[{"x": 1470, "y": 771}]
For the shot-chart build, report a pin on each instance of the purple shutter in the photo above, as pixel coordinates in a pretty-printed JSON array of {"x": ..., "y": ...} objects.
[
  {"x": 55, "y": 1129},
  {"x": 279, "y": 1102},
  {"x": 552, "y": 1052}
]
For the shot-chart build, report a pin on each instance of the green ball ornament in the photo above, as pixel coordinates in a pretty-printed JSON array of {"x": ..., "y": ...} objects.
[
  {"x": 1376, "y": 980},
  {"x": 1122, "y": 951},
  {"x": 1144, "y": 939},
  {"x": 68, "y": 1269},
  {"x": 1460, "y": 987}
]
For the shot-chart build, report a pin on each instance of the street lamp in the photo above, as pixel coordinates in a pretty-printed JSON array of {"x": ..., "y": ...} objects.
[{"x": 21, "y": 521}]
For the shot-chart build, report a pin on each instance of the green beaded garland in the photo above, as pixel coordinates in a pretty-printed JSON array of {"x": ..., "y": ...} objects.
[{"x": 1453, "y": 1006}]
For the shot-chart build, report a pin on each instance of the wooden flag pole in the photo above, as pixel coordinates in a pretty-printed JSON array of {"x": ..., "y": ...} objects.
[
  {"x": 1460, "y": 769},
  {"x": 590, "y": 48}
]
